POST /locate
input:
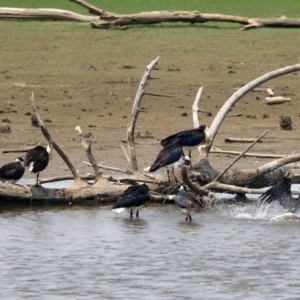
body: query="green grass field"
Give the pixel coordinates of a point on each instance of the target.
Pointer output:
(247, 8)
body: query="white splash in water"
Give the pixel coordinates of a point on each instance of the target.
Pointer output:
(253, 212)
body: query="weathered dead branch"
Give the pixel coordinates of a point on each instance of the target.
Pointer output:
(240, 140)
(134, 114)
(49, 138)
(241, 155)
(258, 155)
(109, 168)
(18, 150)
(106, 20)
(88, 149)
(276, 100)
(243, 91)
(44, 13)
(195, 108)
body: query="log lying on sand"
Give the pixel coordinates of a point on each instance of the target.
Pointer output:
(276, 100)
(240, 140)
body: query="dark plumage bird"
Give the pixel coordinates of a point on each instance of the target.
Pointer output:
(188, 202)
(132, 198)
(172, 155)
(189, 139)
(13, 171)
(37, 159)
(281, 191)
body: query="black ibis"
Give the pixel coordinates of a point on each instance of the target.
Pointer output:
(37, 159)
(13, 171)
(132, 198)
(172, 155)
(188, 202)
(189, 139)
(281, 191)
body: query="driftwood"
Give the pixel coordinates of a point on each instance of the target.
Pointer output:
(202, 178)
(258, 155)
(276, 100)
(240, 140)
(241, 155)
(44, 13)
(104, 19)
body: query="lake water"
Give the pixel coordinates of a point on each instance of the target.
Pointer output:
(87, 252)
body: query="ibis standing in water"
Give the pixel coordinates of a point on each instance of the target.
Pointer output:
(132, 199)
(172, 155)
(281, 191)
(37, 159)
(188, 202)
(13, 171)
(189, 139)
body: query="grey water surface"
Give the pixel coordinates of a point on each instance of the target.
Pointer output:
(87, 252)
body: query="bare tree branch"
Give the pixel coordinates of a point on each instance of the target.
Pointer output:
(241, 155)
(134, 114)
(243, 91)
(44, 13)
(109, 168)
(88, 149)
(219, 151)
(195, 108)
(49, 138)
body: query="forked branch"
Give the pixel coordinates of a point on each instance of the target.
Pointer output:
(88, 149)
(49, 138)
(134, 115)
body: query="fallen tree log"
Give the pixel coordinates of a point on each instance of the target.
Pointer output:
(104, 20)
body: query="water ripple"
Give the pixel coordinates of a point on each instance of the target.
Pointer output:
(90, 253)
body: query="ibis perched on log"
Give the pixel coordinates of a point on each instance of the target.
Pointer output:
(13, 171)
(188, 202)
(281, 191)
(132, 199)
(37, 159)
(172, 155)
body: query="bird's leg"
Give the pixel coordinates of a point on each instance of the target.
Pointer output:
(168, 172)
(137, 213)
(187, 217)
(131, 213)
(190, 217)
(190, 154)
(175, 179)
(37, 179)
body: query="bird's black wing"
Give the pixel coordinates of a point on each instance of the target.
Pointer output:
(167, 156)
(191, 137)
(134, 196)
(12, 171)
(39, 157)
(280, 191)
